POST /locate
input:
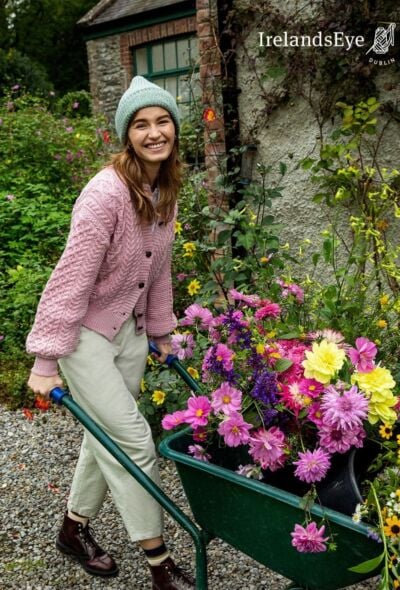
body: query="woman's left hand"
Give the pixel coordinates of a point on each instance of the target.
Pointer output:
(165, 350)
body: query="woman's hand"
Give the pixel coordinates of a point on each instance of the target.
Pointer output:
(43, 385)
(165, 350)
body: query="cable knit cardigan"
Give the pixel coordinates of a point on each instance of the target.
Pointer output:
(112, 266)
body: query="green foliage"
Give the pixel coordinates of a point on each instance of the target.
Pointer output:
(74, 104)
(45, 161)
(19, 71)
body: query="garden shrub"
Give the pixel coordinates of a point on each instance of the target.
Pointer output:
(20, 72)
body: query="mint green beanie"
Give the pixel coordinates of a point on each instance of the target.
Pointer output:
(140, 94)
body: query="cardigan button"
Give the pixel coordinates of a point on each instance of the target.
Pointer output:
(141, 285)
(139, 315)
(148, 254)
(140, 328)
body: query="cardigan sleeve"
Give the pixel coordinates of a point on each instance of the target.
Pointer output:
(65, 299)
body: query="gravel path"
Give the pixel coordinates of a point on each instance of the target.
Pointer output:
(37, 459)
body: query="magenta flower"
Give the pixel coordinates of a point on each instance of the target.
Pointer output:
(182, 345)
(198, 410)
(267, 447)
(337, 440)
(309, 539)
(268, 310)
(171, 421)
(346, 410)
(315, 414)
(181, 276)
(310, 387)
(221, 354)
(199, 453)
(226, 399)
(234, 430)
(363, 355)
(199, 434)
(196, 315)
(250, 300)
(291, 289)
(75, 105)
(312, 465)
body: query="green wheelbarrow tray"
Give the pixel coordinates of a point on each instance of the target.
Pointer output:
(257, 519)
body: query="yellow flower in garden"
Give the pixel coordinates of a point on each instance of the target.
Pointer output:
(150, 360)
(77, 135)
(385, 430)
(143, 385)
(323, 361)
(194, 287)
(381, 323)
(396, 584)
(264, 259)
(193, 372)
(260, 348)
(158, 397)
(384, 300)
(190, 249)
(392, 527)
(271, 334)
(398, 439)
(178, 227)
(376, 381)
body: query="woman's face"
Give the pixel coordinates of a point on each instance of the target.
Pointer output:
(152, 136)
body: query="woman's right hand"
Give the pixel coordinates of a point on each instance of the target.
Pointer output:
(43, 385)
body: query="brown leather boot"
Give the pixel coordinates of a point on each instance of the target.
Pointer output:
(169, 576)
(76, 541)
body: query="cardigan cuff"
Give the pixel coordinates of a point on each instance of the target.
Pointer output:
(166, 339)
(45, 367)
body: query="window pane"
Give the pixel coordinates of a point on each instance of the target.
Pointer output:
(183, 53)
(158, 59)
(170, 55)
(170, 85)
(159, 81)
(194, 50)
(141, 61)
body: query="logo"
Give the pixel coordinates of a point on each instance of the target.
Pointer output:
(384, 40)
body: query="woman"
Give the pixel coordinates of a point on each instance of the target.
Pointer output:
(110, 290)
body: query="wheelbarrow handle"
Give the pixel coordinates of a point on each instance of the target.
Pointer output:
(62, 397)
(174, 362)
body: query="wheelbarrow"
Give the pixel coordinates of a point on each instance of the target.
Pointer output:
(251, 516)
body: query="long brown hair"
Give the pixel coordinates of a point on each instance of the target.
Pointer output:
(131, 170)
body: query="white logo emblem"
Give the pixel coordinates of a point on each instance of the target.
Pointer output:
(384, 39)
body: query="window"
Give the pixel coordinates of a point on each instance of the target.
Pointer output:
(172, 65)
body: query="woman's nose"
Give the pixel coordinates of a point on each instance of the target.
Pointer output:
(154, 131)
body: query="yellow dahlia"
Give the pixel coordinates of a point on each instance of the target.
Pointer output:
(323, 361)
(379, 379)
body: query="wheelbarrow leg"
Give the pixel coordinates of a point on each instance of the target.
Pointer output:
(199, 537)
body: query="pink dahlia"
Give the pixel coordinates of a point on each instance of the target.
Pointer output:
(346, 410)
(226, 399)
(312, 465)
(267, 447)
(309, 539)
(199, 407)
(293, 398)
(182, 345)
(196, 315)
(315, 414)
(234, 430)
(337, 440)
(199, 453)
(171, 421)
(363, 355)
(250, 300)
(268, 310)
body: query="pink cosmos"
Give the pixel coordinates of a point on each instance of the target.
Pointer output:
(182, 345)
(312, 465)
(310, 387)
(268, 310)
(363, 355)
(315, 414)
(250, 300)
(291, 289)
(199, 453)
(226, 399)
(346, 410)
(336, 440)
(198, 410)
(199, 434)
(222, 354)
(171, 421)
(309, 539)
(196, 315)
(234, 430)
(267, 447)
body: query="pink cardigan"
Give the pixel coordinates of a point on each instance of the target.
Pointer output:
(111, 266)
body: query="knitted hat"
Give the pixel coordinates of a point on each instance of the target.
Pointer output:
(140, 94)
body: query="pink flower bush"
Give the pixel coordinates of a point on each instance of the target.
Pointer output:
(309, 539)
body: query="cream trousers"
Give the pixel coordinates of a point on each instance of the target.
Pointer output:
(104, 379)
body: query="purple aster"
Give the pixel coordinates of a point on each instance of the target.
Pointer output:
(346, 410)
(312, 465)
(182, 345)
(336, 440)
(267, 447)
(309, 539)
(196, 315)
(218, 360)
